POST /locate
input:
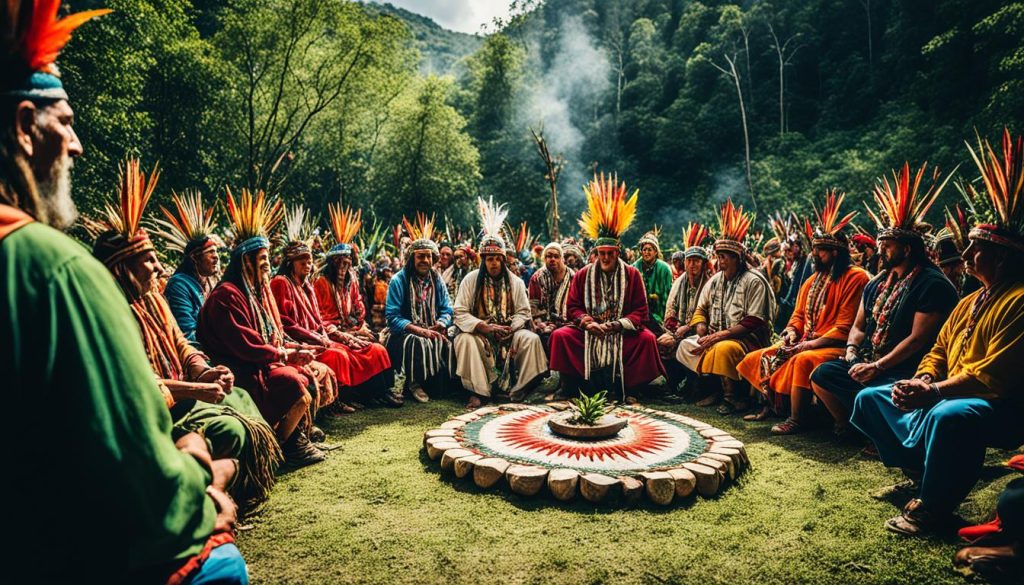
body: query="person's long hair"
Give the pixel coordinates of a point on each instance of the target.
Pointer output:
(17, 182)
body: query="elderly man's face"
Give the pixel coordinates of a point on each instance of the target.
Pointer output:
(983, 259)
(423, 260)
(49, 143)
(649, 253)
(302, 266)
(494, 263)
(553, 260)
(262, 264)
(728, 262)
(207, 261)
(607, 257)
(146, 269)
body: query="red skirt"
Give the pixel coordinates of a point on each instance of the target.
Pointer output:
(640, 360)
(354, 367)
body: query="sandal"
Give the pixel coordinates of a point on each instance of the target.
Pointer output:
(787, 427)
(915, 520)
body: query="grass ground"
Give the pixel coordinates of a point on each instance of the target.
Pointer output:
(378, 511)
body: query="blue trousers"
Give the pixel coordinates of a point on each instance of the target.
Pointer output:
(946, 442)
(224, 566)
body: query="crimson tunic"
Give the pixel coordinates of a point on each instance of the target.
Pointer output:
(640, 360)
(300, 316)
(229, 332)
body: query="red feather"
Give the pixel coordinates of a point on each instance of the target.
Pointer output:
(46, 35)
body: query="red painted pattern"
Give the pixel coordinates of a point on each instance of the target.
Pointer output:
(527, 432)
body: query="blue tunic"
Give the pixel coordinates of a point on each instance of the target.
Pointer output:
(184, 295)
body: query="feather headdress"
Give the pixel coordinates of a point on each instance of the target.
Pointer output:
(952, 239)
(33, 37)
(345, 225)
(1000, 209)
(829, 231)
(124, 237)
(609, 213)
(492, 218)
(189, 227)
(693, 238)
(422, 233)
(252, 217)
(733, 224)
(900, 207)
(297, 233)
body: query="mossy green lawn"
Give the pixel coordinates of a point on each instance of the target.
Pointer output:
(379, 511)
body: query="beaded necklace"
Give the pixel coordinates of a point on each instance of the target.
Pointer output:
(889, 300)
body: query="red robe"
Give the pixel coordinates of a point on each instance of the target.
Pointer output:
(640, 360)
(300, 316)
(229, 332)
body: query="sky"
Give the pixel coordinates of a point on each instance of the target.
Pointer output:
(459, 15)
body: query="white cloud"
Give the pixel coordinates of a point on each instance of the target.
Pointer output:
(459, 15)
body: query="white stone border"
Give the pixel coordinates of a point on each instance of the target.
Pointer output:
(721, 463)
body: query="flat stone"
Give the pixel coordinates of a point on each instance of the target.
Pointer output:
(485, 410)
(432, 433)
(632, 490)
(730, 465)
(720, 466)
(562, 483)
(558, 405)
(468, 417)
(438, 445)
(453, 424)
(597, 487)
(488, 472)
(449, 457)
(733, 445)
(464, 465)
(660, 487)
(685, 481)
(526, 480)
(708, 478)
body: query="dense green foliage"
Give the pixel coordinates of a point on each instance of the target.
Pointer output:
(325, 99)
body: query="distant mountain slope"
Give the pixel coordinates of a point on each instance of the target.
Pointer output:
(441, 48)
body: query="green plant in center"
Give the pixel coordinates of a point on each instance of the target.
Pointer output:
(589, 409)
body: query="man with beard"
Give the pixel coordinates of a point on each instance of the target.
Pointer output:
(682, 301)
(732, 316)
(462, 263)
(549, 293)
(419, 313)
(201, 397)
(867, 247)
(343, 343)
(607, 304)
(657, 278)
(966, 394)
(240, 326)
(189, 231)
(68, 337)
(901, 310)
(491, 315)
(820, 325)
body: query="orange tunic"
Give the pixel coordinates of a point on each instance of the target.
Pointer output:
(835, 317)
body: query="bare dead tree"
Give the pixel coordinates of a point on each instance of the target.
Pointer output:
(553, 166)
(785, 54)
(733, 74)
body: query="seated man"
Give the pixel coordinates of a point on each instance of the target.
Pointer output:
(575, 257)
(607, 305)
(820, 325)
(657, 279)
(549, 293)
(966, 394)
(682, 302)
(132, 507)
(201, 397)
(900, 311)
(733, 316)
(345, 344)
(419, 313)
(190, 232)
(491, 315)
(240, 327)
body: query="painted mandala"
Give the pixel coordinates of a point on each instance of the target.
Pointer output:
(658, 455)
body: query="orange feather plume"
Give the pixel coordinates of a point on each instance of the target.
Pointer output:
(733, 222)
(899, 204)
(42, 35)
(829, 218)
(252, 214)
(345, 223)
(695, 234)
(134, 191)
(1002, 203)
(423, 229)
(189, 220)
(608, 212)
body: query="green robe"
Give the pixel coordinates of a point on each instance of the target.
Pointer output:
(95, 485)
(658, 282)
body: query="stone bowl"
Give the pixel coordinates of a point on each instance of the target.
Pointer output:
(607, 426)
